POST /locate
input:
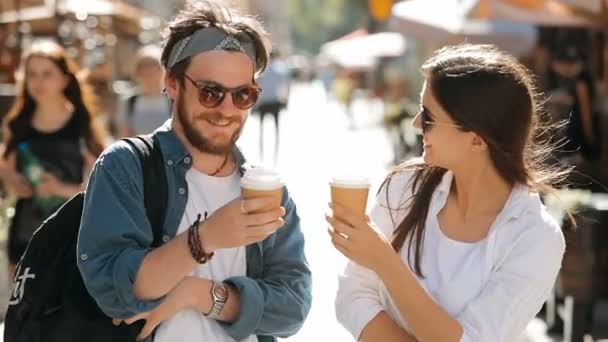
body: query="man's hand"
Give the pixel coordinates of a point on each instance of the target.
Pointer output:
(233, 226)
(183, 297)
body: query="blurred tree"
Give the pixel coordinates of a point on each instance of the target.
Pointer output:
(315, 22)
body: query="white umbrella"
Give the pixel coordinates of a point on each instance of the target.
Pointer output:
(364, 51)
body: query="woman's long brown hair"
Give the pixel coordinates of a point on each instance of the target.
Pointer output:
(18, 119)
(489, 92)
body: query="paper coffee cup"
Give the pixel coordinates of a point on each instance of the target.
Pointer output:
(262, 182)
(350, 192)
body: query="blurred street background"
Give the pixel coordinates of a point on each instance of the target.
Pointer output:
(353, 84)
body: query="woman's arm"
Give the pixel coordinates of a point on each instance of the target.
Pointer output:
(14, 182)
(514, 293)
(416, 306)
(383, 328)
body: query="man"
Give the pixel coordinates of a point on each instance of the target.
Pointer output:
(275, 82)
(146, 109)
(246, 277)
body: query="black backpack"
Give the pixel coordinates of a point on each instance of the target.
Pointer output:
(49, 301)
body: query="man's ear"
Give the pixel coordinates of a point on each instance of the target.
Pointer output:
(171, 87)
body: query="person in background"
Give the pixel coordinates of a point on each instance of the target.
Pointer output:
(574, 93)
(459, 246)
(51, 140)
(398, 114)
(148, 108)
(273, 99)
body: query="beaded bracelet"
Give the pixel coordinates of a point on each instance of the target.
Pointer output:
(194, 243)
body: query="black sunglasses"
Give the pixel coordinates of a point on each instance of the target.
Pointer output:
(426, 121)
(211, 94)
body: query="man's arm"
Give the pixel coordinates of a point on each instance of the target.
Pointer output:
(164, 267)
(115, 234)
(276, 303)
(119, 268)
(200, 293)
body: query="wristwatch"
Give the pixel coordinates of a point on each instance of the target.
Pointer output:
(219, 294)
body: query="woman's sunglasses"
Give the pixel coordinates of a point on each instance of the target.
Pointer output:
(211, 94)
(426, 121)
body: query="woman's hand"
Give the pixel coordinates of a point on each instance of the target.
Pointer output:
(49, 186)
(182, 297)
(359, 240)
(19, 185)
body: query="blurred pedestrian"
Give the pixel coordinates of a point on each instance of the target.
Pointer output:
(459, 246)
(574, 92)
(146, 109)
(51, 141)
(273, 99)
(398, 113)
(343, 89)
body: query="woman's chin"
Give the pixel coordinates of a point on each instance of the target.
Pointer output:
(430, 159)
(426, 156)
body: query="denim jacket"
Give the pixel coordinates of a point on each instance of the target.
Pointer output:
(115, 235)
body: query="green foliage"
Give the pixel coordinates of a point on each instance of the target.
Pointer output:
(314, 22)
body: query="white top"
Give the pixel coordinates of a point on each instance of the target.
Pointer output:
(493, 287)
(206, 195)
(149, 113)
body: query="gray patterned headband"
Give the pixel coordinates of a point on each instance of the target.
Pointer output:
(207, 39)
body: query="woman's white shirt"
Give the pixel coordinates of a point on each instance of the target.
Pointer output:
(493, 287)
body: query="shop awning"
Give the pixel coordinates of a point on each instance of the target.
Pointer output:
(565, 13)
(90, 7)
(457, 21)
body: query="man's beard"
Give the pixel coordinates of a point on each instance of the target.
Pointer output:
(196, 139)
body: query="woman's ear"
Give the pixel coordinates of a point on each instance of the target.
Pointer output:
(478, 144)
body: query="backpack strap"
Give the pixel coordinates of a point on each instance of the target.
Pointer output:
(155, 182)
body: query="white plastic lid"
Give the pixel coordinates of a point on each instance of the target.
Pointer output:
(350, 181)
(260, 178)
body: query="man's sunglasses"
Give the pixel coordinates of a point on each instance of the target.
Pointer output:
(426, 121)
(211, 94)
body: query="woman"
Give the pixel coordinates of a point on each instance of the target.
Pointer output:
(51, 140)
(473, 253)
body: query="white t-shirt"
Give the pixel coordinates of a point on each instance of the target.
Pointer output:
(493, 287)
(206, 195)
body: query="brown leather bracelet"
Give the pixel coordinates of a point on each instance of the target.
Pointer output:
(195, 246)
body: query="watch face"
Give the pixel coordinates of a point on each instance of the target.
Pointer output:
(221, 292)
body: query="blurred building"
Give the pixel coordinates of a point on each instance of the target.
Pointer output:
(102, 34)
(98, 34)
(272, 13)
(162, 8)
(274, 16)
